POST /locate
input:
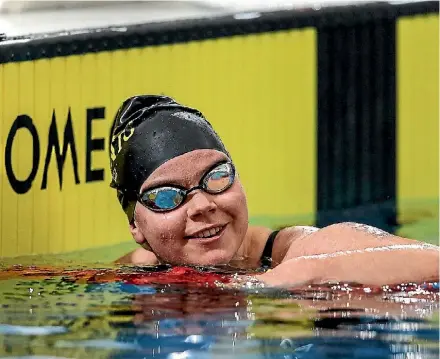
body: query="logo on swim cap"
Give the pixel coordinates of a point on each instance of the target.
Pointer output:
(114, 175)
(119, 139)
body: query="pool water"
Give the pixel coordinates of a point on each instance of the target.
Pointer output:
(134, 312)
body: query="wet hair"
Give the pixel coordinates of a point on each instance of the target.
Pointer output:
(148, 131)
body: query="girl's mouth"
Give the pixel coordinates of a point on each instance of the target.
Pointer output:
(209, 235)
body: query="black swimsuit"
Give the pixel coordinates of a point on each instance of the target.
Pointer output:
(266, 257)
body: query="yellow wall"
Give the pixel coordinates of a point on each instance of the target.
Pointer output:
(259, 91)
(418, 117)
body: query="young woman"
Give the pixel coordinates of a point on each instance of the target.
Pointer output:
(185, 205)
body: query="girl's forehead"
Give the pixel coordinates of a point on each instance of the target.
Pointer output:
(184, 169)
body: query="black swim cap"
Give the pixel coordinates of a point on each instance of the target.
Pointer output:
(148, 131)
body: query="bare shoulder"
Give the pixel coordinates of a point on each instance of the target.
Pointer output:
(357, 227)
(139, 256)
(354, 232)
(254, 242)
(257, 238)
(296, 232)
(286, 237)
(345, 236)
(370, 235)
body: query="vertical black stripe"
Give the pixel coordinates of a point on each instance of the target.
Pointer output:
(351, 186)
(389, 176)
(356, 124)
(323, 160)
(337, 121)
(367, 77)
(379, 120)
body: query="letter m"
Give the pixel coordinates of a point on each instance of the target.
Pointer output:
(53, 143)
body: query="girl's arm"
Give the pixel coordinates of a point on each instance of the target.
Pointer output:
(351, 252)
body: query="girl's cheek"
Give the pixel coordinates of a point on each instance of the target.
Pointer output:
(172, 224)
(235, 201)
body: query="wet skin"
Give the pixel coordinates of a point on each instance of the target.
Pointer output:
(300, 255)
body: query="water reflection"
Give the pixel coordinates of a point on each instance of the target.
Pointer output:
(181, 321)
(63, 317)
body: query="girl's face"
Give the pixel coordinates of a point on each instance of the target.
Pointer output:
(179, 236)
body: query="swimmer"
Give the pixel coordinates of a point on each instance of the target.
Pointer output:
(185, 205)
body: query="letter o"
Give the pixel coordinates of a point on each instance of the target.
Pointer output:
(21, 187)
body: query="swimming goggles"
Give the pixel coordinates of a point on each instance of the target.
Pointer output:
(166, 198)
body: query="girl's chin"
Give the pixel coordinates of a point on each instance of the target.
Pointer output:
(211, 258)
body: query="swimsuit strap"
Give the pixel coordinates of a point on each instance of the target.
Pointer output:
(266, 257)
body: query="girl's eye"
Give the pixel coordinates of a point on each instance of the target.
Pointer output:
(219, 178)
(163, 199)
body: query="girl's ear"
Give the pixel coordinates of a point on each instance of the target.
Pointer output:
(136, 233)
(138, 236)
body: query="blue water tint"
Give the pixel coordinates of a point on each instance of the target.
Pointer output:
(118, 287)
(60, 318)
(30, 330)
(167, 198)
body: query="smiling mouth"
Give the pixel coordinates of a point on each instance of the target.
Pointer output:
(209, 233)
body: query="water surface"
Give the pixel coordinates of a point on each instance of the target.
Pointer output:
(134, 312)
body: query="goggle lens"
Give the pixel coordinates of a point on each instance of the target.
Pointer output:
(163, 198)
(219, 179)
